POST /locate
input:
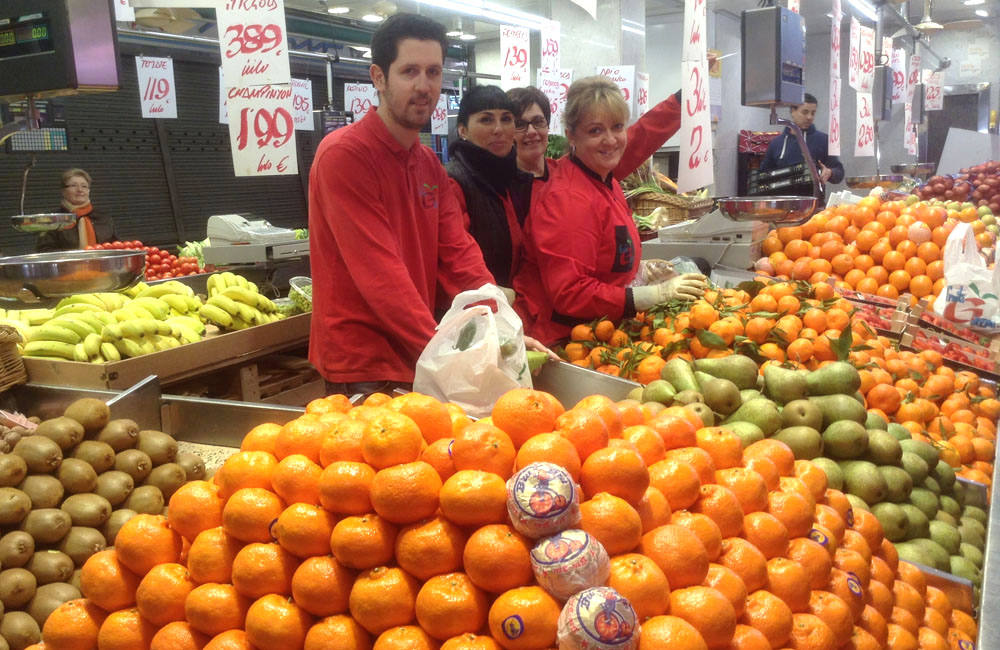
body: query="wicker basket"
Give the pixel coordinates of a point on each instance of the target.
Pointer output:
(678, 208)
(11, 365)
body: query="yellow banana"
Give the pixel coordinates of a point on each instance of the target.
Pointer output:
(228, 280)
(129, 348)
(176, 302)
(225, 303)
(79, 354)
(110, 352)
(112, 333)
(37, 316)
(56, 349)
(92, 344)
(154, 306)
(81, 329)
(54, 333)
(82, 299)
(241, 282)
(242, 294)
(216, 315)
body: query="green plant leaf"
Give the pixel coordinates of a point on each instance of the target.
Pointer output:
(712, 340)
(842, 346)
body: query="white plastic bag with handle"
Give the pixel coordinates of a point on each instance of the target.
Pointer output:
(970, 297)
(477, 354)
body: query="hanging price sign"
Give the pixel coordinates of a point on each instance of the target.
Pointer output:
(359, 99)
(834, 132)
(909, 132)
(302, 92)
(124, 11)
(694, 34)
(864, 140)
(912, 77)
(835, 46)
(156, 86)
(854, 58)
(262, 130)
(837, 13)
(439, 118)
(549, 46)
(642, 93)
(897, 62)
(514, 47)
(223, 99)
(253, 42)
(793, 5)
(866, 70)
(548, 83)
(933, 91)
(623, 76)
(696, 159)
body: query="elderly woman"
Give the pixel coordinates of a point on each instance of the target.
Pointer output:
(581, 244)
(91, 227)
(483, 167)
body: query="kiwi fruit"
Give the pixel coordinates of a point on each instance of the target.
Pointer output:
(87, 509)
(120, 434)
(114, 486)
(114, 523)
(92, 413)
(42, 455)
(193, 465)
(16, 548)
(43, 490)
(75, 580)
(81, 542)
(77, 476)
(17, 587)
(65, 432)
(14, 506)
(48, 598)
(47, 526)
(168, 478)
(146, 499)
(134, 463)
(160, 447)
(13, 469)
(50, 566)
(100, 455)
(20, 630)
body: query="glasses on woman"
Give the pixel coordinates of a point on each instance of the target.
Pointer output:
(540, 124)
(77, 186)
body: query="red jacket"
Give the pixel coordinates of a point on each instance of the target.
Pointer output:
(581, 250)
(384, 230)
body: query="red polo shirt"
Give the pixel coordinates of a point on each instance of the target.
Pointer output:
(385, 230)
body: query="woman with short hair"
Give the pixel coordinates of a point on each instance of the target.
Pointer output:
(91, 227)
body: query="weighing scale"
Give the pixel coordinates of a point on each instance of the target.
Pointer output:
(714, 238)
(234, 239)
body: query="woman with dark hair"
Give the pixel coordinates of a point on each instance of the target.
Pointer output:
(491, 190)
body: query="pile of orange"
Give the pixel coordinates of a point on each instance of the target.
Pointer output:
(783, 322)
(883, 248)
(952, 410)
(384, 526)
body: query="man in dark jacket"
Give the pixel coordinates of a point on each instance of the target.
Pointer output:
(784, 150)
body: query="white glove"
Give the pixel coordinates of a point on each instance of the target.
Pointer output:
(689, 286)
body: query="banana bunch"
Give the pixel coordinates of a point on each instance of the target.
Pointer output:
(235, 304)
(64, 336)
(132, 337)
(92, 302)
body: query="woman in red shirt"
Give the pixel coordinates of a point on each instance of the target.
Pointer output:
(581, 244)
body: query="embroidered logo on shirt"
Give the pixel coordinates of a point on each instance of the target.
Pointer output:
(428, 196)
(624, 250)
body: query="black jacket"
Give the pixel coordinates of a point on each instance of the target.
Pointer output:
(784, 152)
(487, 181)
(65, 240)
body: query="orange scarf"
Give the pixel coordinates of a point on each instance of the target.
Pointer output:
(85, 228)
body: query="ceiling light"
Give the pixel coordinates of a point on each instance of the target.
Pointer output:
(372, 18)
(973, 3)
(982, 13)
(467, 37)
(831, 15)
(344, 10)
(454, 33)
(485, 9)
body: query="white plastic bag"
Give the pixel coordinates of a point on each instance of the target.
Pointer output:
(970, 296)
(476, 355)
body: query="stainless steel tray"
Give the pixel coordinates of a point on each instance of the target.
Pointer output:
(885, 181)
(917, 170)
(769, 209)
(43, 222)
(31, 278)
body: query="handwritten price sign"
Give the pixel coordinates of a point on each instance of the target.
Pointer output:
(262, 130)
(124, 11)
(624, 77)
(834, 131)
(514, 47)
(549, 44)
(439, 118)
(642, 93)
(359, 99)
(302, 115)
(854, 59)
(933, 92)
(897, 62)
(864, 140)
(835, 46)
(912, 77)
(253, 42)
(909, 132)
(694, 34)
(696, 159)
(156, 86)
(866, 70)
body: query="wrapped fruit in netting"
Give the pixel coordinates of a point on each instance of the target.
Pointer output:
(570, 562)
(542, 500)
(598, 619)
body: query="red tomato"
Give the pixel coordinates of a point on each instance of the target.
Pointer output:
(153, 258)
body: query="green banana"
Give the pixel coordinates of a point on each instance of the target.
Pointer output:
(154, 306)
(54, 333)
(49, 349)
(215, 314)
(110, 352)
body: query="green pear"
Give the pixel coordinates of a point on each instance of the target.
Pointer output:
(845, 439)
(801, 413)
(914, 466)
(972, 554)
(963, 568)
(805, 442)
(686, 397)
(863, 480)
(784, 385)
(930, 483)
(680, 374)
(974, 524)
(919, 523)
(875, 421)
(740, 370)
(976, 513)
(837, 378)
(858, 502)
(941, 515)
(702, 411)
(893, 519)
(748, 432)
(659, 390)
(748, 394)
(949, 505)
(839, 407)
(933, 555)
(945, 476)
(721, 395)
(898, 482)
(898, 431)
(834, 475)
(947, 536)
(971, 535)
(926, 500)
(654, 407)
(922, 449)
(761, 412)
(636, 394)
(702, 377)
(883, 448)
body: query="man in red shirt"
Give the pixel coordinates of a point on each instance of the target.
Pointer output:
(385, 229)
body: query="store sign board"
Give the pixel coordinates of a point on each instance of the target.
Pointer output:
(622, 76)
(854, 60)
(515, 44)
(866, 71)
(912, 77)
(549, 45)
(897, 62)
(864, 140)
(835, 46)
(695, 30)
(124, 11)
(696, 159)
(254, 43)
(833, 143)
(157, 93)
(933, 91)
(642, 93)
(359, 99)
(302, 92)
(439, 118)
(262, 130)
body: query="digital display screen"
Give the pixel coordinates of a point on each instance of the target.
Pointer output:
(25, 35)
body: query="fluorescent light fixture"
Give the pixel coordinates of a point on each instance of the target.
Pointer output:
(372, 18)
(467, 37)
(633, 30)
(496, 13)
(982, 13)
(973, 3)
(454, 34)
(830, 15)
(345, 10)
(865, 8)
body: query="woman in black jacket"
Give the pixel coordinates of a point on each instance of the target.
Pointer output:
(91, 227)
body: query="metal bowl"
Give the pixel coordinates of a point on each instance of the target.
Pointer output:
(886, 181)
(769, 209)
(30, 278)
(43, 222)
(917, 170)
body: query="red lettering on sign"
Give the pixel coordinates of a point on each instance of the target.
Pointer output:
(275, 129)
(301, 103)
(248, 39)
(699, 94)
(248, 5)
(517, 57)
(157, 89)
